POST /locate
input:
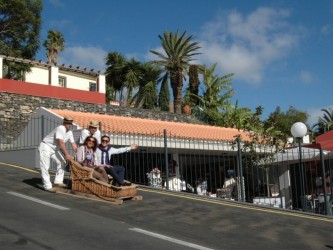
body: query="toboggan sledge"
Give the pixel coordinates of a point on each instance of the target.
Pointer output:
(84, 184)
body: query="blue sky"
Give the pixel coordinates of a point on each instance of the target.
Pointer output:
(280, 51)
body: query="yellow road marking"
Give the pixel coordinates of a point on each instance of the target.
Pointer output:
(20, 167)
(217, 202)
(243, 206)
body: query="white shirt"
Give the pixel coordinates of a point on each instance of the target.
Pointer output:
(112, 151)
(85, 133)
(58, 133)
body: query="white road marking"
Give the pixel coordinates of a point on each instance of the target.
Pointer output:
(38, 201)
(163, 237)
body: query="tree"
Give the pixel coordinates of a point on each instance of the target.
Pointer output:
(262, 148)
(164, 95)
(194, 82)
(269, 137)
(20, 23)
(54, 44)
(325, 123)
(115, 76)
(264, 144)
(122, 75)
(125, 77)
(215, 98)
(178, 53)
(283, 121)
(146, 96)
(133, 72)
(235, 117)
(254, 121)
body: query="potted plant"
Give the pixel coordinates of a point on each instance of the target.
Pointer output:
(186, 107)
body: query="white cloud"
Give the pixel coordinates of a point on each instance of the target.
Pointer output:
(315, 114)
(90, 57)
(151, 57)
(235, 59)
(306, 76)
(247, 44)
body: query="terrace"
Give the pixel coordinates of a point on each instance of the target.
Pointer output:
(207, 161)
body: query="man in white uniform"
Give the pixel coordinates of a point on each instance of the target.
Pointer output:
(92, 130)
(53, 147)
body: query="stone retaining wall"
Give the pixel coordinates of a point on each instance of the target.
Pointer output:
(16, 109)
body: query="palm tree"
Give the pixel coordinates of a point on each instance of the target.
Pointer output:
(213, 101)
(122, 75)
(179, 52)
(325, 123)
(235, 117)
(214, 84)
(133, 72)
(115, 76)
(54, 44)
(146, 96)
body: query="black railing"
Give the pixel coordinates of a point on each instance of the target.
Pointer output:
(211, 168)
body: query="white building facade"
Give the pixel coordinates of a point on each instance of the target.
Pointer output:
(59, 75)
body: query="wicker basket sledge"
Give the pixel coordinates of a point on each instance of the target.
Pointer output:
(84, 182)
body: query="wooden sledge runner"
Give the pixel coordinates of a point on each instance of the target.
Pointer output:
(84, 184)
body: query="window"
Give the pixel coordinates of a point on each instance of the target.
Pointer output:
(92, 86)
(62, 81)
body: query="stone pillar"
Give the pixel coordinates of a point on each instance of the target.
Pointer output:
(1, 66)
(101, 83)
(54, 76)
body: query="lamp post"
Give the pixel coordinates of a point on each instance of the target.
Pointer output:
(299, 130)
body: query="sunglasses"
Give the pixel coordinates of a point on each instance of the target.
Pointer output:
(105, 140)
(91, 140)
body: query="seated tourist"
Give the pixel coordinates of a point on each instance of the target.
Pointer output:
(86, 156)
(104, 152)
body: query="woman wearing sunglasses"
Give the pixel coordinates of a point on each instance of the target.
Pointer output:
(86, 156)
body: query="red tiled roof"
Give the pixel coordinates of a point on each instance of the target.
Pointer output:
(118, 124)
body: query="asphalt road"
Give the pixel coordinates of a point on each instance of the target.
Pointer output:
(31, 218)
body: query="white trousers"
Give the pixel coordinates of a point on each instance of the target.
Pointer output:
(46, 153)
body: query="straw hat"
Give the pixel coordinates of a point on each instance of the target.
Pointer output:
(68, 119)
(93, 124)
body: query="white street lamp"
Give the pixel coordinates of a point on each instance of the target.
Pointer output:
(299, 130)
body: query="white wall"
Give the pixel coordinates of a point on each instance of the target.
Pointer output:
(41, 75)
(101, 83)
(76, 81)
(38, 75)
(47, 74)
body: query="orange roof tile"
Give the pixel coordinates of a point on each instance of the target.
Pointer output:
(119, 124)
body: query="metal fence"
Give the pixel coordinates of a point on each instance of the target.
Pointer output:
(224, 170)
